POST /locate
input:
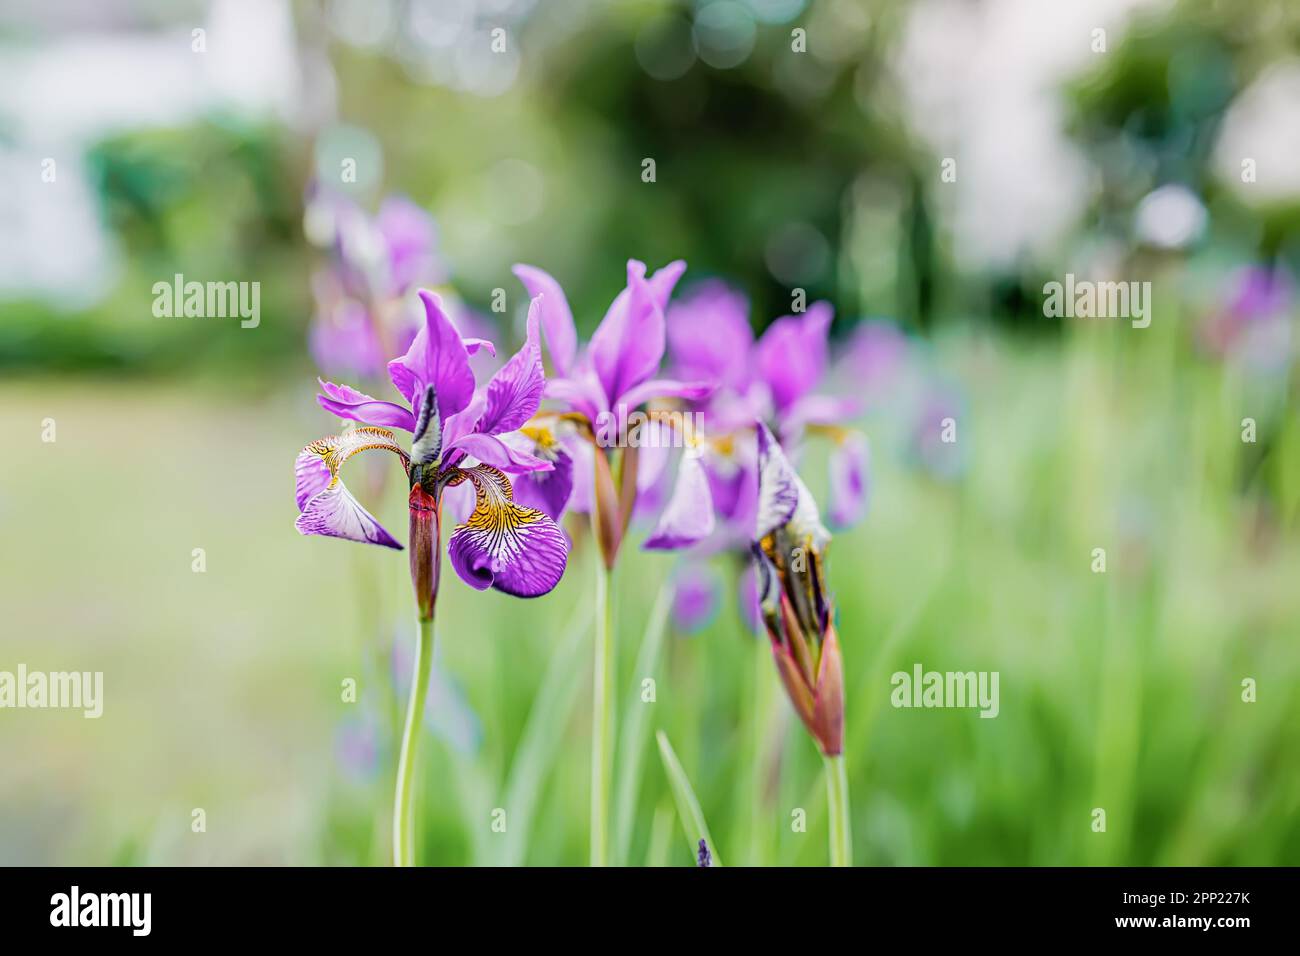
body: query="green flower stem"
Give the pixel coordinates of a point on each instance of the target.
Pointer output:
(837, 802)
(404, 800)
(601, 719)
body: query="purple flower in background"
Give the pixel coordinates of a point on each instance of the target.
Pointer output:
(932, 442)
(1254, 323)
(365, 310)
(695, 596)
(780, 379)
(618, 452)
(873, 361)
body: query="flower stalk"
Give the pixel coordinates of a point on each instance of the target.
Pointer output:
(837, 805)
(426, 527)
(404, 798)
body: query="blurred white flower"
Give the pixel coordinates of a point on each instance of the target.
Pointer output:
(1263, 126)
(1170, 217)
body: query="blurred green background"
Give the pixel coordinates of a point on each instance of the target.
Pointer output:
(1118, 154)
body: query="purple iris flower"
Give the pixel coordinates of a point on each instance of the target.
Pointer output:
(618, 453)
(460, 435)
(780, 379)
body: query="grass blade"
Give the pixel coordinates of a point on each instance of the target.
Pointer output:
(688, 805)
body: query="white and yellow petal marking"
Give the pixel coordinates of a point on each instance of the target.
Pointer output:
(327, 506)
(517, 550)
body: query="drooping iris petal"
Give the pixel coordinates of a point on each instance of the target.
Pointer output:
(556, 316)
(792, 354)
(327, 506)
(688, 517)
(583, 455)
(849, 463)
(654, 440)
(347, 402)
(517, 550)
(733, 482)
(491, 450)
(515, 391)
(629, 343)
(437, 357)
(709, 336)
(311, 475)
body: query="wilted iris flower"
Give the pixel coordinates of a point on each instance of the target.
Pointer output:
(790, 552)
(615, 449)
(459, 435)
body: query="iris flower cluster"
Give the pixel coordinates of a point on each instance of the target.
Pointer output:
(706, 451)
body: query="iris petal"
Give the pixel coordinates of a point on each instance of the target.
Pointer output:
(437, 357)
(792, 354)
(327, 506)
(519, 551)
(783, 498)
(688, 517)
(556, 316)
(515, 391)
(629, 343)
(346, 402)
(491, 450)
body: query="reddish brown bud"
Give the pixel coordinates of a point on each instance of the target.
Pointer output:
(426, 532)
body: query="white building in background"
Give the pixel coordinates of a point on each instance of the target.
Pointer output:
(62, 93)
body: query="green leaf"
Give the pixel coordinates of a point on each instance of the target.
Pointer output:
(688, 805)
